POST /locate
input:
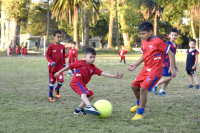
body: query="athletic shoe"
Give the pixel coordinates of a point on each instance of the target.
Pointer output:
(57, 94)
(197, 86)
(92, 110)
(190, 86)
(79, 112)
(134, 108)
(51, 99)
(162, 93)
(155, 90)
(137, 117)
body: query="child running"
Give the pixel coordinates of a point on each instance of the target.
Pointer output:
(122, 54)
(153, 50)
(85, 69)
(56, 61)
(191, 64)
(166, 64)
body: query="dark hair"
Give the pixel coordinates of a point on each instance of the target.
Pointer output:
(73, 42)
(193, 40)
(145, 26)
(90, 51)
(173, 30)
(56, 32)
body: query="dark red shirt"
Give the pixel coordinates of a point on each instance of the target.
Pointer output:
(73, 55)
(122, 52)
(17, 50)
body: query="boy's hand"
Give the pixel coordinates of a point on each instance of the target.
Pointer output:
(172, 70)
(118, 76)
(132, 67)
(56, 74)
(176, 68)
(193, 67)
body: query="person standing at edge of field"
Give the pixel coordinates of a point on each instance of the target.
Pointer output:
(10, 51)
(56, 61)
(85, 69)
(122, 54)
(166, 64)
(17, 50)
(191, 63)
(25, 51)
(73, 56)
(153, 50)
(22, 51)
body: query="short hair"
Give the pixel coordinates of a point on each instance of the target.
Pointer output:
(73, 42)
(145, 26)
(56, 32)
(90, 51)
(173, 30)
(193, 40)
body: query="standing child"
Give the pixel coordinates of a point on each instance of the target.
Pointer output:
(166, 64)
(85, 69)
(17, 50)
(122, 54)
(10, 51)
(56, 60)
(153, 50)
(25, 52)
(22, 51)
(73, 56)
(191, 63)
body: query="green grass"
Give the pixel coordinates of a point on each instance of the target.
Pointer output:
(24, 105)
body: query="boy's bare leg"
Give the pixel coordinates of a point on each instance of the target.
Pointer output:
(191, 79)
(164, 80)
(136, 91)
(83, 104)
(143, 97)
(195, 78)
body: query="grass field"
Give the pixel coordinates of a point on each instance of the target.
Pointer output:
(24, 105)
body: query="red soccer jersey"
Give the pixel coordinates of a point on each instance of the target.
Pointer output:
(83, 72)
(56, 53)
(122, 52)
(17, 50)
(10, 50)
(73, 55)
(25, 51)
(22, 50)
(153, 54)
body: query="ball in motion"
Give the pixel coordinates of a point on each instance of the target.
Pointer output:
(104, 107)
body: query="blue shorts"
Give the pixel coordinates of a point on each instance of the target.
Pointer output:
(165, 72)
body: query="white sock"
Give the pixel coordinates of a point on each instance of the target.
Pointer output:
(161, 90)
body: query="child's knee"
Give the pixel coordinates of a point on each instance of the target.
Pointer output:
(92, 96)
(135, 88)
(143, 90)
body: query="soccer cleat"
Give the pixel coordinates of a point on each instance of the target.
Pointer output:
(190, 86)
(197, 86)
(162, 93)
(51, 99)
(137, 117)
(92, 110)
(134, 108)
(79, 112)
(155, 90)
(57, 94)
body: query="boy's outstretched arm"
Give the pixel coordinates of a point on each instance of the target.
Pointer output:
(133, 66)
(118, 76)
(172, 62)
(62, 70)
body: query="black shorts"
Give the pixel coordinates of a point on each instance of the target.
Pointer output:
(190, 72)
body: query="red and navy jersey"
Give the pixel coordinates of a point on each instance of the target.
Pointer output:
(166, 56)
(83, 72)
(72, 54)
(56, 53)
(17, 50)
(153, 54)
(191, 58)
(122, 52)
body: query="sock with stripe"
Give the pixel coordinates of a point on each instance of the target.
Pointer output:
(140, 111)
(51, 86)
(59, 85)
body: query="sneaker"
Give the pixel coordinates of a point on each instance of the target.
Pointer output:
(51, 99)
(155, 90)
(197, 86)
(137, 117)
(134, 108)
(79, 112)
(162, 93)
(57, 94)
(190, 86)
(92, 110)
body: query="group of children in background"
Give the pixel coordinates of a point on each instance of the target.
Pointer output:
(158, 58)
(23, 51)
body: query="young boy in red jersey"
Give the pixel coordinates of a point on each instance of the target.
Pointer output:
(17, 50)
(122, 54)
(191, 64)
(73, 56)
(85, 69)
(10, 51)
(22, 50)
(25, 51)
(153, 50)
(56, 60)
(166, 64)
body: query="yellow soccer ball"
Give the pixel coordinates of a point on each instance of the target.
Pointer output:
(104, 107)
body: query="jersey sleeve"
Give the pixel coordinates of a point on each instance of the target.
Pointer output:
(48, 55)
(119, 52)
(126, 52)
(67, 54)
(163, 47)
(197, 52)
(97, 71)
(76, 55)
(74, 65)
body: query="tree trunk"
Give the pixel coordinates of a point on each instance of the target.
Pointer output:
(100, 46)
(76, 25)
(70, 14)
(13, 34)
(110, 37)
(193, 30)
(126, 41)
(156, 28)
(86, 42)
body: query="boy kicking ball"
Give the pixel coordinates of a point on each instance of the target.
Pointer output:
(85, 69)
